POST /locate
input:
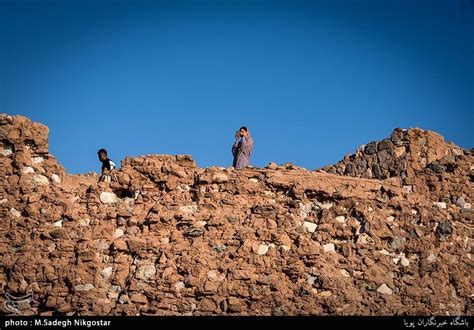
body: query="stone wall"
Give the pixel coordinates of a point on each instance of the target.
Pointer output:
(169, 238)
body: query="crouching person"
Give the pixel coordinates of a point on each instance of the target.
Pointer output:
(108, 167)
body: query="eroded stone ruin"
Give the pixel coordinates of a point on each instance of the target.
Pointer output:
(388, 230)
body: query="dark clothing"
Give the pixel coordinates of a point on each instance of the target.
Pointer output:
(107, 165)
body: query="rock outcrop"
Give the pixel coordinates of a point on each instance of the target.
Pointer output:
(387, 231)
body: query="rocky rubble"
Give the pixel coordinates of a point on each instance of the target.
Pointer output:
(387, 231)
(418, 160)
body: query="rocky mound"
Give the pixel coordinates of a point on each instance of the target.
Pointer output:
(419, 160)
(388, 232)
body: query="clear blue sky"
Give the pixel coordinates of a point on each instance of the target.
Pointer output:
(312, 80)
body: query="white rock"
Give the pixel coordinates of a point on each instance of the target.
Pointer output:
(310, 226)
(107, 272)
(15, 213)
(3, 201)
(341, 219)
(285, 248)
(460, 202)
(192, 308)
(384, 252)
(145, 272)
(414, 212)
(215, 276)
(305, 209)
(51, 247)
(201, 223)
(118, 233)
(458, 152)
(84, 222)
(112, 295)
(27, 169)
(103, 245)
(441, 205)
(184, 187)
(345, 273)
(363, 238)
(214, 187)
(37, 160)
(220, 177)
(262, 249)
(328, 248)
(212, 275)
(58, 223)
(311, 279)
(253, 180)
(56, 178)
(84, 287)
(123, 299)
(7, 151)
(390, 218)
(188, 209)
(432, 258)
(384, 289)
(405, 262)
(325, 294)
(308, 207)
(327, 206)
(396, 260)
(400, 151)
(107, 197)
(467, 206)
(40, 180)
(179, 285)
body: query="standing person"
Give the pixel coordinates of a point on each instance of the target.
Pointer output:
(242, 148)
(107, 166)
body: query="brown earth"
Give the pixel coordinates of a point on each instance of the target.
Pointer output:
(388, 230)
